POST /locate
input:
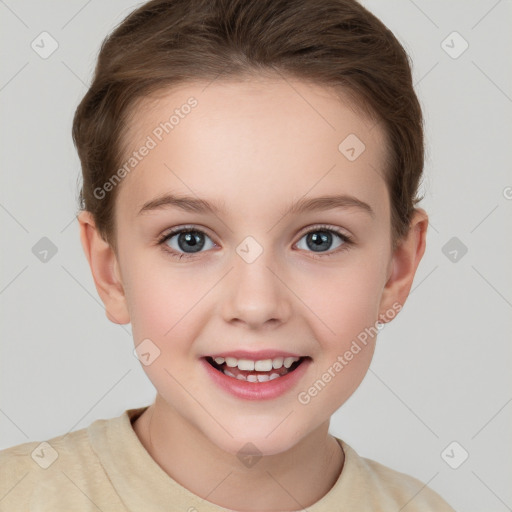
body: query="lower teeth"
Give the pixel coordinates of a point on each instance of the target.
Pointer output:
(252, 377)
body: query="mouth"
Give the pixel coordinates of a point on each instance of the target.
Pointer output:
(256, 371)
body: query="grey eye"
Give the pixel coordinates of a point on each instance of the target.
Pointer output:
(190, 241)
(320, 240)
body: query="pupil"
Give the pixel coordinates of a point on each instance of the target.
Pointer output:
(320, 240)
(194, 240)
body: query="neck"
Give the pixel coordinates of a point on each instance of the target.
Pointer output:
(288, 481)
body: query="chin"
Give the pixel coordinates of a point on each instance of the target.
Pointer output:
(261, 437)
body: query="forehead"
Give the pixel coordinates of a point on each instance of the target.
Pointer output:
(251, 142)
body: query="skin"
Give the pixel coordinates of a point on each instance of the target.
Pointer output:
(255, 146)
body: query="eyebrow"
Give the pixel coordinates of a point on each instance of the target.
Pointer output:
(196, 205)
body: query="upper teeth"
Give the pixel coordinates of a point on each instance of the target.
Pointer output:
(262, 365)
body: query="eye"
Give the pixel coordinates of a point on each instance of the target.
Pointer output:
(321, 239)
(186, 241)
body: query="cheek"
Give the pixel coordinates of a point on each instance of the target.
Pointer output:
(343, 299)
(163, 309)
(345, 305)
(164, 303)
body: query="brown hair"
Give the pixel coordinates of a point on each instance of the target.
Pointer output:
(336, 43)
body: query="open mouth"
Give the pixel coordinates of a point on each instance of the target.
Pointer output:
(278, 369)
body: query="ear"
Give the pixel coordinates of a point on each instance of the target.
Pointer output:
(105, 270)
(402, 269)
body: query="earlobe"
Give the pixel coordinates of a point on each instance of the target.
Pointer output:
(105, 270)
(404, 263)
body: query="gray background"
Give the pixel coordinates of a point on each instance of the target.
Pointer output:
(441, 371)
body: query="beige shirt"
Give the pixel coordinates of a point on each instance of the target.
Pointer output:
(105, 467)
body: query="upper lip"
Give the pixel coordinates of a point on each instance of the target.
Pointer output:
(254, 356)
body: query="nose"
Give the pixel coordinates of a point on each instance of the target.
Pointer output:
(256, 294)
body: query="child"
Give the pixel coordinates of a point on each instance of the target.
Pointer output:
(250, 171)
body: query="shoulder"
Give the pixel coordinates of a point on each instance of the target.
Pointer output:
(45, 454)
(389, 489)
(50, 475)
(15, 467)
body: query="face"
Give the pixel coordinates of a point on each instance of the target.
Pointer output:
(268, 266)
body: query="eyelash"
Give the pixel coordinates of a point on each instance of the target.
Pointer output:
(347, 241)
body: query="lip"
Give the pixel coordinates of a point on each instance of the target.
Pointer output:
(256, 390)
(254, 356)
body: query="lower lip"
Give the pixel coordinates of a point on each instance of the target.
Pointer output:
(257, 390)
